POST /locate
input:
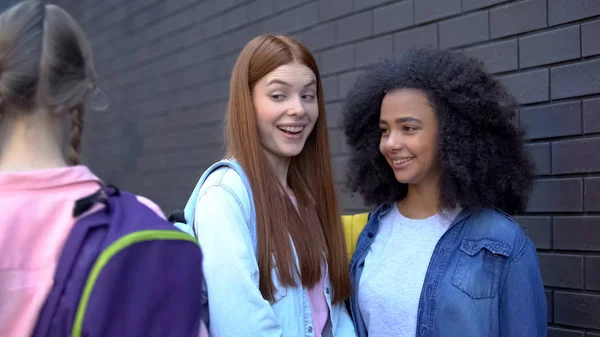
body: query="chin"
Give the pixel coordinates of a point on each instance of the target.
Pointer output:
(404, 179)
(291, 153)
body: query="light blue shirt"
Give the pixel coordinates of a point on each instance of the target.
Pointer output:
(225, 225)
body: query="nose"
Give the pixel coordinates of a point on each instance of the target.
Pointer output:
(393, 142)
(296, 107)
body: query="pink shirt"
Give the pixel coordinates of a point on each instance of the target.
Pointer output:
(35, 220)
(318, 306)
(316, 297)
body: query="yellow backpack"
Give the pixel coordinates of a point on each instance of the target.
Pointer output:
(353, 226)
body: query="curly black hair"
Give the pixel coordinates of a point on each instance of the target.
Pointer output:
(481, 147)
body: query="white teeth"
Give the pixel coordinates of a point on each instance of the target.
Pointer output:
(293, 129)
(402, 161)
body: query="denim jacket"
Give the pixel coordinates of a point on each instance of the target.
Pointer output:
(483, 280)
(226, 225)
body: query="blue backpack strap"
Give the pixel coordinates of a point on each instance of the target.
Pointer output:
(189, 212)
(185, 220)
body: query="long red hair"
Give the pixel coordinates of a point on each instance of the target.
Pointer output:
(315, 229)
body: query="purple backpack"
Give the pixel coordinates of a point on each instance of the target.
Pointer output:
(124, 271)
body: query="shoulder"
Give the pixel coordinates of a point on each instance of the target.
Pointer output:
(495, 222)
(226, 177)
(496, 226)
(226, 185)
(150, 204)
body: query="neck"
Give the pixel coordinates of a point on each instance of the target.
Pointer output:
(30, 141)
(280, 166)
(421, 201)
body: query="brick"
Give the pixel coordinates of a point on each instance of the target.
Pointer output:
(553, 120)
(364, 4)
(575, 79)
(464, 30)
(549, 47)
(331, 9)
(592, 194)
(192, 137)
(290, 21)
(334, 115)
(591, 116)
(320, 36)
(338, 165)
(577, 233)
(236, 18)
(592, 272)
(337, 143)
(260, 9)
(550, 304)
(561, 270)
(331, 88)
(306, 16)
(214, 26)
(527, 87)
(560, 332)
(497, 57)
(429, 10)
(540, 152)
(348, 80)
(576, 156)
(281, 5)
(371, 50)
(354, 27)
(393, 17)
(517, 18)
(468, 5)
(352, 203)
(581, 310)
(538, 229)
(561, 11)
(589, 38)
(226, 4)
(175, 160)
(556, 195)
(187, 179)
(179, 118)
(425, 36)
(338, 59)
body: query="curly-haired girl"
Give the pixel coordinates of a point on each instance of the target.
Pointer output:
(435, 145)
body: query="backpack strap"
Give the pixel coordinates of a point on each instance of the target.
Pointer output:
(353, 226)
(185, 220)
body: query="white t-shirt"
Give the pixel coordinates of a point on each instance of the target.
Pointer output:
(395, 267)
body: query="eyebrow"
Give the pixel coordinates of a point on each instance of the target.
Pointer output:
(402, 120)
(277, 81)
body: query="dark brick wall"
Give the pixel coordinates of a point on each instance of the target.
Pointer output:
(165, 65)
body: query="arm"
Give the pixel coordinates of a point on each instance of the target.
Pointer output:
(236, 306)
(523, 310)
